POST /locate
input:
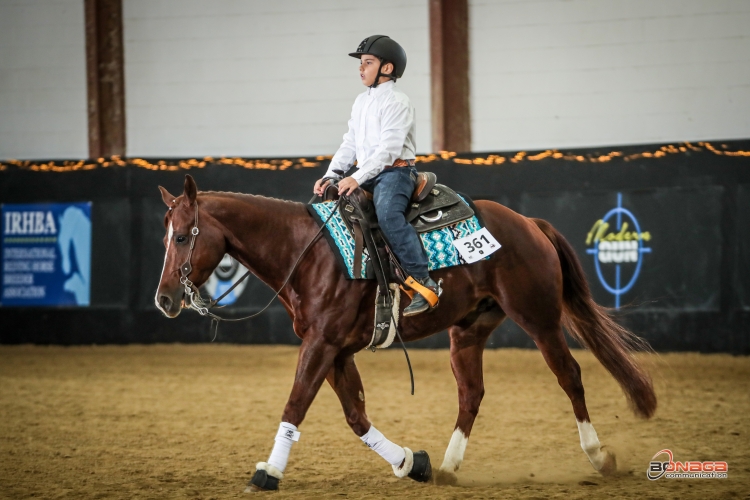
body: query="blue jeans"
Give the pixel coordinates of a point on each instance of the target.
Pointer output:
(391, 193)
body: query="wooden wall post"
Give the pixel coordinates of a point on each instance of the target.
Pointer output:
(105, 78)
(449, 62)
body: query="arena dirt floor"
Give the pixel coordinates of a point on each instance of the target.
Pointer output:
(178, 421)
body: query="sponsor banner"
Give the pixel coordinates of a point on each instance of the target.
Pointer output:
(222, 279)
(666, 467)
(617, 244)
(655, 249)
(46, 254)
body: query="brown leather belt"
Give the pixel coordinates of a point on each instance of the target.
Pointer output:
(402, 163)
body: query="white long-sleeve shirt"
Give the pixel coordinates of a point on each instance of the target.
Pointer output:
(382, 129)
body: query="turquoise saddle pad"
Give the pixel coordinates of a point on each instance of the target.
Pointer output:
(438, 244)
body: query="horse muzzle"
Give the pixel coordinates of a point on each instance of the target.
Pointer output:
(170, 306)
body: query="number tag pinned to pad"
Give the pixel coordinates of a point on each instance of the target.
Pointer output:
(477, 245)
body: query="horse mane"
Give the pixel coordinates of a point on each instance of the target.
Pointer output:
(254, 198)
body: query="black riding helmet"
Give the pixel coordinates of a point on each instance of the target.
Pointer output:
(385, 49)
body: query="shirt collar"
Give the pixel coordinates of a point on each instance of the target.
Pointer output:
(381, 88)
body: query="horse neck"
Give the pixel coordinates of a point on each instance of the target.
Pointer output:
(265, 235)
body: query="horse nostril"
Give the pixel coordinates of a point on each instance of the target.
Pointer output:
(165, 302)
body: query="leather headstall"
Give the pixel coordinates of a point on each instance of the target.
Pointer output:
(186, 268)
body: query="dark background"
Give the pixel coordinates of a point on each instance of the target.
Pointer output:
(693, 292)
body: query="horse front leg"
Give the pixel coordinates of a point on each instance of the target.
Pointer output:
(315, 360)
(346, 382)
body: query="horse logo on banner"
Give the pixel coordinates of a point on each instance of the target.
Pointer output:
(619, 251)
(225, 274)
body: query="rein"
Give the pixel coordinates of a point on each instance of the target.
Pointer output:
(198, 303)
(203, 307)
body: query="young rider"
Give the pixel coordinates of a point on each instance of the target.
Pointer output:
(381, 137)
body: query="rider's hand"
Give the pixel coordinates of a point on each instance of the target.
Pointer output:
(320, 186)
(347, 185)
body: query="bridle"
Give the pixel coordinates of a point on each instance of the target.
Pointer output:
(191, 290)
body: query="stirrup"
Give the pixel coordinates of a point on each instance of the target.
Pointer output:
(421, 296)
(431, 297)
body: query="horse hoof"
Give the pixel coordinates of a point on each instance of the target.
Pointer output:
(610, 464)
(421, 471)
(262, 481)
(445, 478)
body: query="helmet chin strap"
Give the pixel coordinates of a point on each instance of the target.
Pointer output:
(377, 78)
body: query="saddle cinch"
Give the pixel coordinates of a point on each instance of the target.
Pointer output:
(433, 206)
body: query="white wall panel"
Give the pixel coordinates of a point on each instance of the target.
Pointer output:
(567, 73)
(258, 78)
(42, 79)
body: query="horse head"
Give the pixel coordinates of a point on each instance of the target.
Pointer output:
(209, 245)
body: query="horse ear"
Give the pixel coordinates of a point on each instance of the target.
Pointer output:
(166, 197)
(191, 190)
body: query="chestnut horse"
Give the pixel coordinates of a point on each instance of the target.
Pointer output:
(535, 279)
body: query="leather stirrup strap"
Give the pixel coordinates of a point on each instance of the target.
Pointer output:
(430, 296)
(408, 291)
(358, 245)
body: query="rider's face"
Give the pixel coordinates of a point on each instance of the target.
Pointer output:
(368, 69)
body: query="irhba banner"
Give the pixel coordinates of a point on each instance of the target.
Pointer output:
(46, 254)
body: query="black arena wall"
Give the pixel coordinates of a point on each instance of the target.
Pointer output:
(691, 260)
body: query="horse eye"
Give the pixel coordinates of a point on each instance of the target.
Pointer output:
(181, 239)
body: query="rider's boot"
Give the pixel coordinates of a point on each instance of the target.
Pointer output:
(418, 303)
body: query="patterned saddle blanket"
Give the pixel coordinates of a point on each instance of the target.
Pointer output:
(437, 243)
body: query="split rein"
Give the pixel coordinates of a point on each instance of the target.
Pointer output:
(197, 302)
(203, 307)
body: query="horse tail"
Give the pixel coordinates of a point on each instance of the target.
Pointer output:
(592, 326)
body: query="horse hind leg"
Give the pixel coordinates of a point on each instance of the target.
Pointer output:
(552, 344)
(468, 338)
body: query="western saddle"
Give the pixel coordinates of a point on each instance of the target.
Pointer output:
(433, 206)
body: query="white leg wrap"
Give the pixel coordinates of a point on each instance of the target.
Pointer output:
(590, 444)
(454, 455)
(391, 452)
(285, 438)
(402, 472)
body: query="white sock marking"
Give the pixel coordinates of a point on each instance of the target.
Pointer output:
(170, 233)
(590, 444)
(454, 455)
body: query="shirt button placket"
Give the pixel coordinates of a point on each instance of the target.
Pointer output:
(363, 121)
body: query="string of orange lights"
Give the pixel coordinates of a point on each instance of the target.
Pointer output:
(288, 163)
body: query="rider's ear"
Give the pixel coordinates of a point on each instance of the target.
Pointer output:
(166, 197)
(191, 190)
